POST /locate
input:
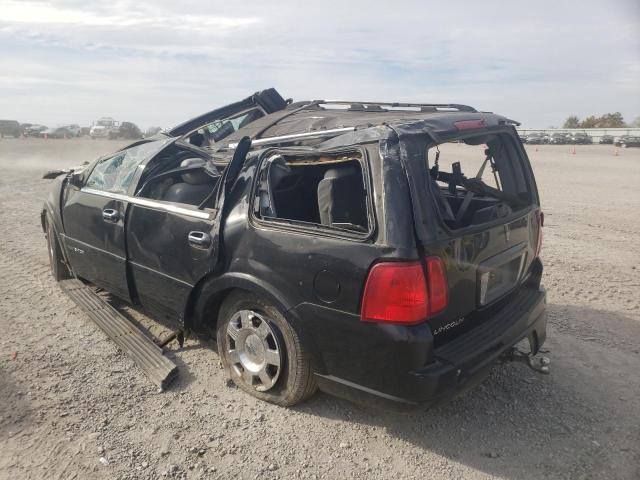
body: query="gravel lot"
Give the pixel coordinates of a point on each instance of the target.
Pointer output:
(72, 406)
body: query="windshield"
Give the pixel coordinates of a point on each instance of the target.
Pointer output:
(115, 173)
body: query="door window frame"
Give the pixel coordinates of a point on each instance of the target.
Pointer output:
(309, 228)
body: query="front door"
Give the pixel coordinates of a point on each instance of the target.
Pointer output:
(94, 239)
(95, 215)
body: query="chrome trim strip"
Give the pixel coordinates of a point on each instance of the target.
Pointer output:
(158, 272)
(66, 239)
(298, 136)
(145, 202)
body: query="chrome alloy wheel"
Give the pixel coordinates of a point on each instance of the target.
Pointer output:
(253, 350)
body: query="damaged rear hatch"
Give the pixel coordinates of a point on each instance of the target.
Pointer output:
(476, 206)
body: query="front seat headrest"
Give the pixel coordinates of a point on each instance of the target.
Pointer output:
(197, 177)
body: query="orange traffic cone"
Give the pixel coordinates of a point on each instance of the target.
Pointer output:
(46, 136)
(573, 152)
(616, 152)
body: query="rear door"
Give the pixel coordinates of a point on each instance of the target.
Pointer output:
(171, 246)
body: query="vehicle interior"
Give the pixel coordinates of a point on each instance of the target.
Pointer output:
(322, 190)
(179, 175)
(477, 180)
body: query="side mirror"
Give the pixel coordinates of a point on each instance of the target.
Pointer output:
(76, 179)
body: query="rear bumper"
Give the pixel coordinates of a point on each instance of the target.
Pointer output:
(458, 365)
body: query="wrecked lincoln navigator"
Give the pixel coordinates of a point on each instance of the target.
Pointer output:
(384, 252)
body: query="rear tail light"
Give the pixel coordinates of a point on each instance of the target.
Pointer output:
(540, 218)
(405, 293)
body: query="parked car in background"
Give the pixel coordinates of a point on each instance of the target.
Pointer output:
(126, 130)
(606, 140)
(580, 138)
(84, 131)
(35, 130)
(58, 132)
(151, 131)
(620, 140)
(523, 137)
(559, 139)
(274, 242)
(10, 128)
(103, 127)
(628, 141)
(23, 127)
(73, 128)
(535, 139)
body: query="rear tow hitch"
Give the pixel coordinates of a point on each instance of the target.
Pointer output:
(538, 364)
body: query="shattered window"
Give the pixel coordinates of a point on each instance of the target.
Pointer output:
(114, 174)
(326, 191)
(217, 130)
(477, 180)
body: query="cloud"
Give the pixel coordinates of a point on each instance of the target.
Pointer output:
(160, 62)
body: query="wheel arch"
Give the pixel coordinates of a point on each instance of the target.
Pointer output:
(203, 306)
(201, 311)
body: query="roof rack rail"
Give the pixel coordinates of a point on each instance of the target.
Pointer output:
(378, 106)
(298, 136)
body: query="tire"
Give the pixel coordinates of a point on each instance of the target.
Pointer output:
(59, 269)
(291, 382)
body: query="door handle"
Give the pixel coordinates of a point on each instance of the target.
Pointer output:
(199, 239)
(110, 215)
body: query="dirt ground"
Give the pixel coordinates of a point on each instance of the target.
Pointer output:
(68, 398)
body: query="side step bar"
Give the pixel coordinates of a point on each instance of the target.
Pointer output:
(146, 354)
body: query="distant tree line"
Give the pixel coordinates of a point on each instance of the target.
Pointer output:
(608, 120)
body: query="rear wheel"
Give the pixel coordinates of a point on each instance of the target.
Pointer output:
(261, 352)
(59, 269)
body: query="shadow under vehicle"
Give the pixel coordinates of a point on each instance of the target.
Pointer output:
(323, 244)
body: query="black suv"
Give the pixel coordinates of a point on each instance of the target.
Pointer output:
(336, 245)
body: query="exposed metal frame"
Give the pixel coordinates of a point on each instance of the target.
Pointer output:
(154, 204)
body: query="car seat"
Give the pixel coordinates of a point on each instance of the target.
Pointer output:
(193, 188)
(342, 198)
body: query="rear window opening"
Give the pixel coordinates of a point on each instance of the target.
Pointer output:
(477, 180)
(320, 190)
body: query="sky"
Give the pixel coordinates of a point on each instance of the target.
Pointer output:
(162, 62)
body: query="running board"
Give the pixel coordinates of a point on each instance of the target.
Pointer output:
(130, 339)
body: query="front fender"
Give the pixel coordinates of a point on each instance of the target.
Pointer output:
(52, 204)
